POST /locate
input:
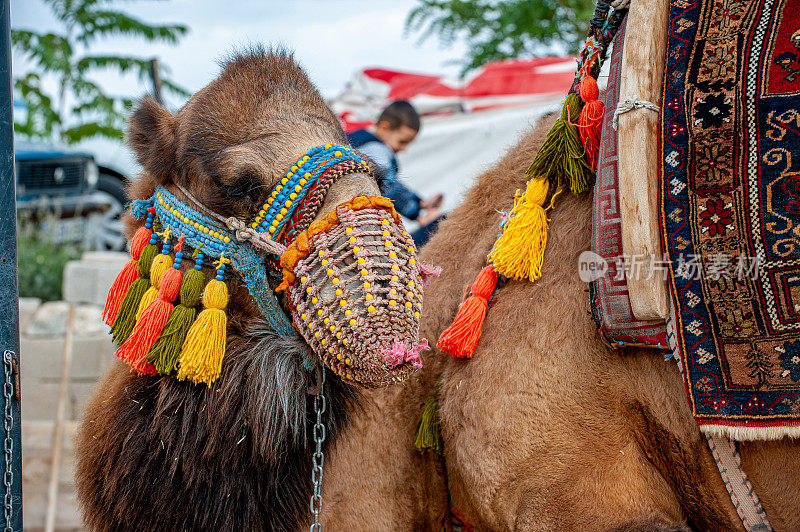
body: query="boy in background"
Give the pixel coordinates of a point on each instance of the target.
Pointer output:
(396, 127)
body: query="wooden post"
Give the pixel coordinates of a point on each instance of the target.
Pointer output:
(58, 431)
(643, 63)
(155, 75)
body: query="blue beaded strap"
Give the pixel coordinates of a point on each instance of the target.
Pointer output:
(200, 230)
(288, 194)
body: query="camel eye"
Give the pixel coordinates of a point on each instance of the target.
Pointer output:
(245, 184)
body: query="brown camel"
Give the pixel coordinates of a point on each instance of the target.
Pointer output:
(545, 428)
(157, 453)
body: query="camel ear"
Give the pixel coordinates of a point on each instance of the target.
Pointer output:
(152, 135)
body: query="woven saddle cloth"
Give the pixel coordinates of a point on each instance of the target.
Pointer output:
(610, 302)
(730, 211)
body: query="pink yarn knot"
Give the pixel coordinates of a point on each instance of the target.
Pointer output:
(428, 272)
(399, 354)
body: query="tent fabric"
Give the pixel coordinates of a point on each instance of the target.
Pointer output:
(519, 82)
(467, 124)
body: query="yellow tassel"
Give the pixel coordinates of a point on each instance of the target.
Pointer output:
(204, 347)
(160, 265)
(519, 251)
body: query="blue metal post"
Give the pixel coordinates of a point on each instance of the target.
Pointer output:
(9, 293)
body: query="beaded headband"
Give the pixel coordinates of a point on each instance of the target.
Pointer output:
(151, 304)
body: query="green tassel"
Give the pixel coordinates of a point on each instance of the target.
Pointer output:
(146, 260)
(561, 158)
(167, 348)
(194, 281)
(126, 317)
(428, 436)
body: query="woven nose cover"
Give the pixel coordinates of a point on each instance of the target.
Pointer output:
(355, 288)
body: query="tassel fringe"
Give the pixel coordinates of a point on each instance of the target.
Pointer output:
(590, 120)
(428, 436)
(126, 277)
(126, 316)
(461, 338)
(165, 351)
(204, 348)
(561, 157)
(167, 348)
(122, 283)
(519, 251)
(161, 264)
(151, 323)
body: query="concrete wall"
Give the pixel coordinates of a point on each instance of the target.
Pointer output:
(42, 330)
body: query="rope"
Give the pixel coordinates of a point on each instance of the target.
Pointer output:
(629, 104)
(198, 203)
(241, 231)
(245, 233)
(620, 4)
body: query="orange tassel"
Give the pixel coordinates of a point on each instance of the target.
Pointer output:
(126, 277)
(461, 338)
(152, 321)
(590, 120)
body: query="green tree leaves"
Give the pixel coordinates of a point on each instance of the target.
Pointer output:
(501, 29)
(62, 56)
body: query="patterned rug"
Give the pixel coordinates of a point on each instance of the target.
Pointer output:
(731, 210)
(611, 306)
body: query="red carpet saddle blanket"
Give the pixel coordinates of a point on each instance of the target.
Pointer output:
(730, 210)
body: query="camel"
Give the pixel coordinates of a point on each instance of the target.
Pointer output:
(160, 453)
(545, 428)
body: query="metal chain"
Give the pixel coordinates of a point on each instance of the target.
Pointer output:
(8, 443)
(318, 459)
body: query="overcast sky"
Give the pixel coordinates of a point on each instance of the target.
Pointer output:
(331, 38)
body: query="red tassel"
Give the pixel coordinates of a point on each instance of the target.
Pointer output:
(126, 276)
(151, 322)
(590, 120)
(461, 338)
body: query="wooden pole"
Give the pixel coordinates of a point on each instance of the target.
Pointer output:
(643, 63)
(155, 75)
(58, 431)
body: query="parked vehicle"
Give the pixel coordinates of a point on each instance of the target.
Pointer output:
(82, 204)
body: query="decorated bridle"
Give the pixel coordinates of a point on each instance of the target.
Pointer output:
(157, 337)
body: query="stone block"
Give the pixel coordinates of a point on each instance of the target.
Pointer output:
(37, 440)
(88, 321)
(40, 360)
(88, 280)
(117, 258)
(49, 320)
(27, 308)
(79, 393)
(91, 357)
(39, 400)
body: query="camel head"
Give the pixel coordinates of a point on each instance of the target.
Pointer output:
(255, 167)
